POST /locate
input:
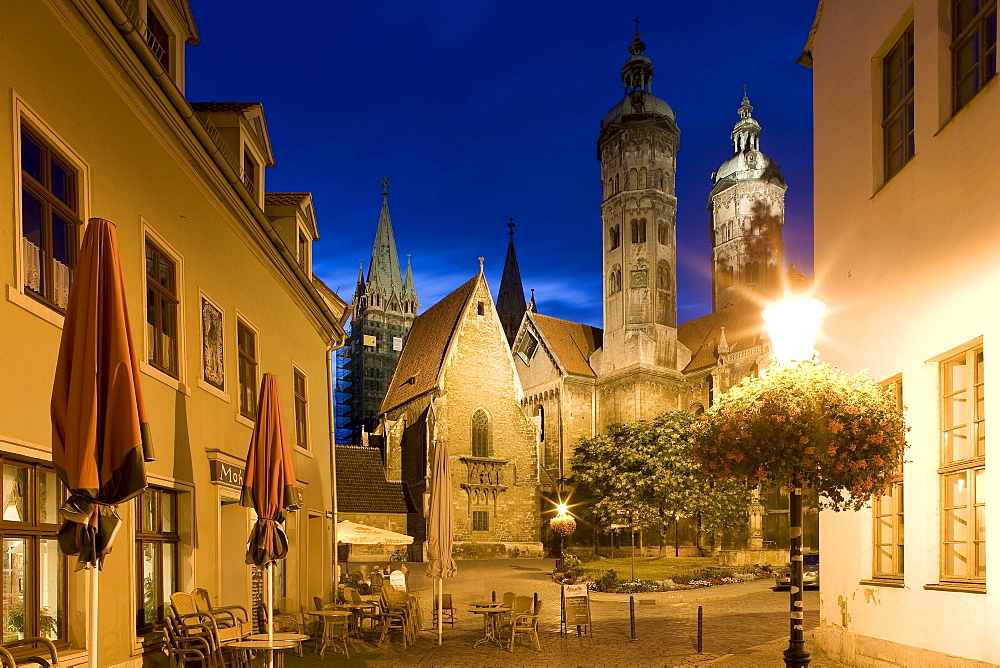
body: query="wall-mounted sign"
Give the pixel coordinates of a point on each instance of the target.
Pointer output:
(222, 472)
(369, 340)
(397, 343)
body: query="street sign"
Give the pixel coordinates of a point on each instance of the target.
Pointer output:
(620, 526)
(624, 511)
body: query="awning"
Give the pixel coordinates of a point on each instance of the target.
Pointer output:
(352, 533)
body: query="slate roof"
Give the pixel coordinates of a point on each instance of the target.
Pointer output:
(219, 107)
(284, 199)
(571, 342)
(361, 483)
(422, 359)
(744, 329)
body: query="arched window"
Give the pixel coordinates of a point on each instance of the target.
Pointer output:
(615, 281)
(480, 434)
(541, 423)
(642, 231)
(697, 409)
(616, 183)
(643, 183)
(662, 234)
(663, 275)
(615, 234)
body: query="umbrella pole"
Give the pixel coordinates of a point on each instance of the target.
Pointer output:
(440, 606)
(270, 612)
(92, 631)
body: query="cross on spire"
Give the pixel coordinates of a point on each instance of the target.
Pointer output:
(510, 225)
(385, 185)
(744, 90)
(636, 19)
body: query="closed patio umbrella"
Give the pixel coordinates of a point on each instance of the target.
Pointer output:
(100, 434)
(440, 527)
(269, 486)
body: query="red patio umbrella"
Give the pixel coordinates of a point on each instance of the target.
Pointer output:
(269, 485)
(100, 434)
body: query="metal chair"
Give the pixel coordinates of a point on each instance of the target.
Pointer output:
(447, 610)
(228, 615)
(8, 661)
(182, 650)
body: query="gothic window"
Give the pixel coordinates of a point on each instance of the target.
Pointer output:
(663, 234)
(541, 423)
(615, 234)
(639, 231)
(480, 434)
(710, 381)
(615, 280)
(663, 275)
(616, 183)
(643, 183)
(751, 273)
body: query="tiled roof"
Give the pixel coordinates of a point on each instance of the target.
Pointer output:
(426, 345)
(571, 342)
(284, 199)
(361, 483)
(213, 107)
(744, 327)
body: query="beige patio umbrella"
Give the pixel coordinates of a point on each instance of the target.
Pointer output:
(352, 533)
(440, 527)
(100, 434)
(269, 488)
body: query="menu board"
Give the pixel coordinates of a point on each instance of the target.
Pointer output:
(576, 605)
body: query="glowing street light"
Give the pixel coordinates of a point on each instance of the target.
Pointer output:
(792, 326)
(564, 525)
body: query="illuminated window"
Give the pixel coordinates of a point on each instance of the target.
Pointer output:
(973, 47)
(962, 470)
(887, 514)
(480, 520)
(246, 344)
(161, 310)
(897, 104)
(156, 541)
(480, 434)
(301, 406)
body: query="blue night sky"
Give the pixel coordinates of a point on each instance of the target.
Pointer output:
(479, 111)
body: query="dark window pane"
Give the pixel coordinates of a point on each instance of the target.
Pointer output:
(61, 185)
(61, 245)
(31, 157)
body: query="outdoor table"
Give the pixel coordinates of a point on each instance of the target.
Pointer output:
(324, 615)
(247, 647)
(356, 609)
(490, 612)
(296, 638)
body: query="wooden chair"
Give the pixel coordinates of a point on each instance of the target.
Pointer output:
(447, 610)
(526, 624)
(44, 645)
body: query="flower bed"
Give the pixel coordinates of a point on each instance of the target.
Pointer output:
(610, 583)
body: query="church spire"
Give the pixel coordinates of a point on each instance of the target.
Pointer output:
(383, 270)
(510, 298)
(637, 73)
(746, 134)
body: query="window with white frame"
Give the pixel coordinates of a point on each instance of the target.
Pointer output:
(301, 409)
(156, 542)
(161, 310)
(887, 513)
(246, 346)
(963, 468)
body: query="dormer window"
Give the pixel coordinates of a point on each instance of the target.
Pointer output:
(249, 172)
(157, 38)
(302, 249)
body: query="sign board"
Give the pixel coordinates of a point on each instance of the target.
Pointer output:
(219, 471)
(624, 511)
(620, 526)
(576, 607)
(397, 580)
(369, 340)
(397, 343)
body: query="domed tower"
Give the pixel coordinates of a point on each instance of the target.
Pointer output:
(747, 206)
(637, 148)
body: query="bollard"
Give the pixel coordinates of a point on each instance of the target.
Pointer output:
(631, 614)
(493, 597)
(700, 624)
(534, 602)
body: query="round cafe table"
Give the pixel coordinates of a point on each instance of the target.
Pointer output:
(491, 613)
(325, 615)
(296, 638)
(247, 648)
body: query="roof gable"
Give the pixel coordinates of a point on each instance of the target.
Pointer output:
(571, 343)
(744, 328)
(361, 483)
(423, 357)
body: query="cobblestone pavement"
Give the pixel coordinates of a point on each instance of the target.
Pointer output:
(744, 625)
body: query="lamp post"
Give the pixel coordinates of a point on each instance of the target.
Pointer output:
(564, 525)
(792, 326)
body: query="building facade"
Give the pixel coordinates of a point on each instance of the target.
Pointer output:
(456, 384)
(384, 307)
(906, 102)
(220, 289)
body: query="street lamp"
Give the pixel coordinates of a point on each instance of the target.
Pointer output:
(792, 326)
(564, 525)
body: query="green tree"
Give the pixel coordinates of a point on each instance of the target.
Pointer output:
(651, 468)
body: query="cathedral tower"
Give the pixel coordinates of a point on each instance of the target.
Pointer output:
(747, 206)
(385, 305)
(637, 148)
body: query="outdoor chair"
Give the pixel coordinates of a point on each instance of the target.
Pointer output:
(43, 645)
(197, 630)
(392, 618)
(447, 610)
(183, 650)
(227, 615)
(519, 605)
(286, 616)
(526, 624)
(362, 609)
(222, 624)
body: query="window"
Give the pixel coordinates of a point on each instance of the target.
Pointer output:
(663, 275)
(301, 403)
(32, 570)
(156, 542)
(973, 47)
(962, 471)
(158, 39)
(481, 308)
(246, 344)
(663, 234)
(480, 434)
(480, 520)
(161, 310)
(887, 514)
(615, 281)
(639, 231)
(527, 346)
(249, 172)
(50, 221)
(302, 249)
(615, 234)
(541, 423)
(897, 104)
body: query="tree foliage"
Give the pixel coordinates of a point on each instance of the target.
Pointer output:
(650, 468)
(808, 424)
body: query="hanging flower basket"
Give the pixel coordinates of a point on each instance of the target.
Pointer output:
(563, 524)
(843, 436)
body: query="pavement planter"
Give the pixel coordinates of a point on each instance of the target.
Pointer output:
(744, 625)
